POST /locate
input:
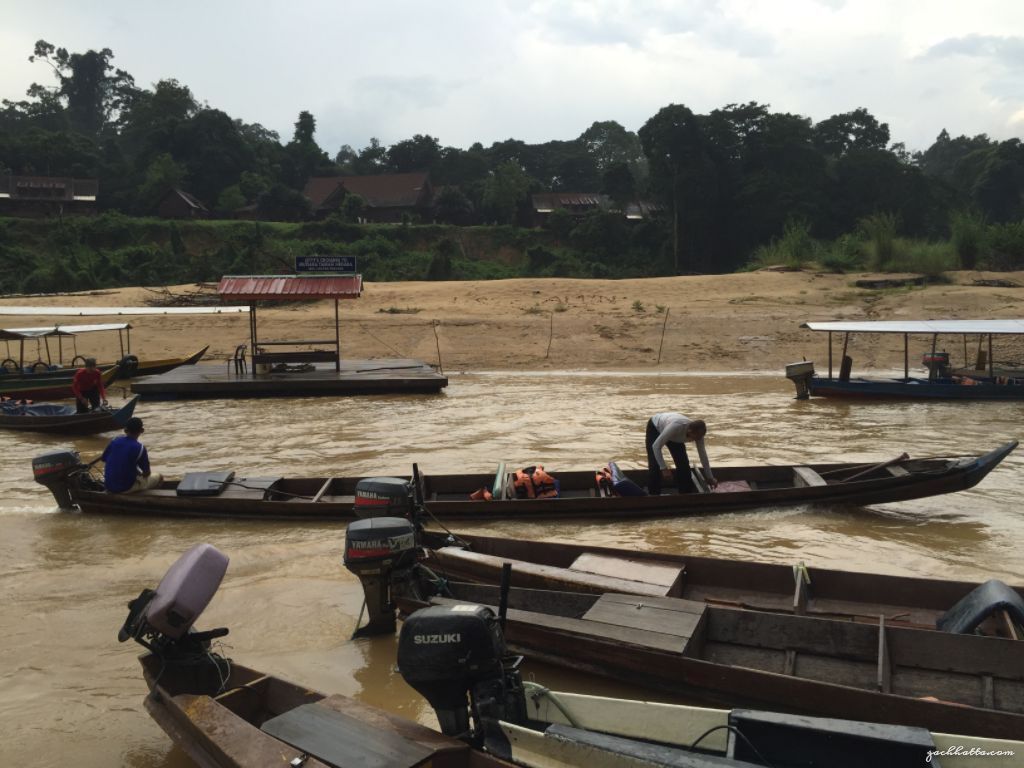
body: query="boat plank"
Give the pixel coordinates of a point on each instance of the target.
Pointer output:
(645, 638)
(668, 575)
(637, 613)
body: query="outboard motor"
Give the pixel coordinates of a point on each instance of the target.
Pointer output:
(446, 652)
(383, 497)
(53, 471)
(937, 364)
(800, 374)
(378, 550)
(162, 619)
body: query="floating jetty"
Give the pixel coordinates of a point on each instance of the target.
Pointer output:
(350, 377)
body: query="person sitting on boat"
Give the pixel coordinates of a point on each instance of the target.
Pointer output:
(674, 430)
(126, 462)
(87, 386)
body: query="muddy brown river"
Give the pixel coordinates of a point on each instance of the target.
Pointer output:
(72, 695)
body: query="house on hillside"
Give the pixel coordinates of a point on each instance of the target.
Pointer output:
(388, 196)
(579, 204)
(178, 204)
(40, 196)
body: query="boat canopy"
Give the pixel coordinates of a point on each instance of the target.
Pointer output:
(920, 326)
(115, 311)
(21, 334)
(69, 330)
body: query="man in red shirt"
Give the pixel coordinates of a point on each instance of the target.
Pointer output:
(87, 386)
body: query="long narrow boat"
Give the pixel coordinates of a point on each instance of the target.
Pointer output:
(978, 378)
(49, 385)
(970, 684)
(54, 418)
(129, 365)
(450, 497)
(796, 589)
(225, 715)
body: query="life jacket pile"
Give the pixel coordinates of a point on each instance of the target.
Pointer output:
(534, 483)
(605, 482)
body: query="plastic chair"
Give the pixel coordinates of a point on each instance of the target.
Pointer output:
(239, 359)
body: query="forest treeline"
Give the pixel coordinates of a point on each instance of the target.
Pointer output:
(739, 185)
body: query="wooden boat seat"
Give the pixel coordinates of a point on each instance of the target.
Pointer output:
(530, 574)
(667, 575)
(898, 471)
(807, 477)
(204, 483)
(331, 732)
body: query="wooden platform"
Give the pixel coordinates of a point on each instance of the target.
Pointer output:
(357, 377)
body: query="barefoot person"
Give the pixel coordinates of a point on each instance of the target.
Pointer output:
(126, 462)
(87, 387)
(674, 431)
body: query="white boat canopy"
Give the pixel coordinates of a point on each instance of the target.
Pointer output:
(85, 311)
(920, 326)
(68, 330)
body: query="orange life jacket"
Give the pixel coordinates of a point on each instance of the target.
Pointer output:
(605, 482)
(534, 483)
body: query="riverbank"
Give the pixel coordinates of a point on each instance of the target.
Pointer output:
(737, 322)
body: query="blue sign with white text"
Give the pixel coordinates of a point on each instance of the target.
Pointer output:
(324, 263)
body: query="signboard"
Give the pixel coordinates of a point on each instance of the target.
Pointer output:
(325, 263)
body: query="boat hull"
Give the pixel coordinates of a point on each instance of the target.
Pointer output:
(50, 385)
(70, 423)
(913, 389)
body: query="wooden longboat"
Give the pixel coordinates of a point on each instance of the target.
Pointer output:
(447, 497)
(802, 590)
(148, 367)
(977, 379)
(53, 418)
(48, 385)
(967, 684)
(233, 729)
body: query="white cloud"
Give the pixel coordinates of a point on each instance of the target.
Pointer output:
(537, 70)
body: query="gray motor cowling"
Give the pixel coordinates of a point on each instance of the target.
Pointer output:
(376, 549)
(451, 651)
(53, 469)
(162, 619)
(383, 497)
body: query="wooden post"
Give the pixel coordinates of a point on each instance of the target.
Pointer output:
(551, 335)
(437, 343)
(663, 326)
(337, 339)
(906, 356)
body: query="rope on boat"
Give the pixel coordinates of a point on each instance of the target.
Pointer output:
(536, 691)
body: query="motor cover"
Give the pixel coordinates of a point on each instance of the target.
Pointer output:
(378, 541)
(54, 465)
(186, 589)
(383, 497)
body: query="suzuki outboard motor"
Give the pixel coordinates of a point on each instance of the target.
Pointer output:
(161, 619)
(378, 550)
(447, 652)
(53, 470)
(383, 497)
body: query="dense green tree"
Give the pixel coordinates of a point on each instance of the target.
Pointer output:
(452, 206)
(162, 175)
(93, 90)
(505, 192)
(857, 130)
(420, 153)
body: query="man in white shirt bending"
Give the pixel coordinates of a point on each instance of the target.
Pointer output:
(674, 430)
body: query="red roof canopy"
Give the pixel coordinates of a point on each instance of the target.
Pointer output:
(289, 287)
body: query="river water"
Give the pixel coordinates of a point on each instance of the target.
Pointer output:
(71, 695)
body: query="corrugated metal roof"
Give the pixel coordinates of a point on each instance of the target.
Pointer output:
(921, 326)
(287, 287)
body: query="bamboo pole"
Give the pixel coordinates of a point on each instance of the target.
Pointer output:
(663, 326)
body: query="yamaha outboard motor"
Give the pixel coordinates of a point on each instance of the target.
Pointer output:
(379, 550)
(383, 497)
(801, 374)
(451, 651)
(53, 471)
(161, 619)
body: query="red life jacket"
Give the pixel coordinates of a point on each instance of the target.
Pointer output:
(534, 483)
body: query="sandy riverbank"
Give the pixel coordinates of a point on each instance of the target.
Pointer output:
(740, 322)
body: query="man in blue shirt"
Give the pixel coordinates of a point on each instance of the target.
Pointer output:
(126, 463)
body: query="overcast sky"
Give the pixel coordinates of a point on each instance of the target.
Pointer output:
(487, 70)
